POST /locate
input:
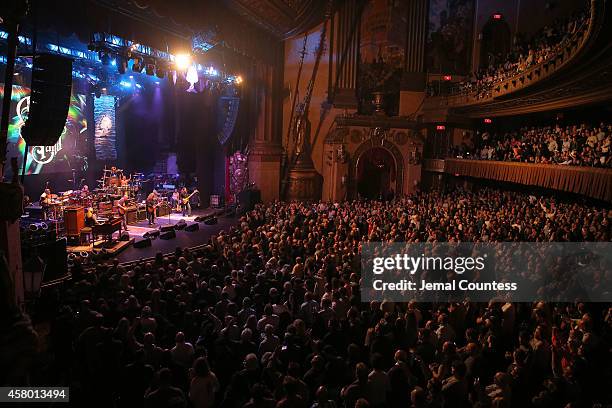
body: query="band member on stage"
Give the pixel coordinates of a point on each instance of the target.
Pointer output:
(90, 218)
(122, 209)
(185, 205)
(85, 191)
(151, 207)
(176, 200)
(45, 203)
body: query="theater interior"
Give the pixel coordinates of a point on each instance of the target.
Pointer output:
(306, 203)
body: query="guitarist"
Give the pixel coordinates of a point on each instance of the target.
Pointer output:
(122, 209)
(151, 202)
(185, 205)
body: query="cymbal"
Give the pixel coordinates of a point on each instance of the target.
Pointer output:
(67, 193)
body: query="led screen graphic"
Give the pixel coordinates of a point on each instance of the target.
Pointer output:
(104, 133)
(70, 151)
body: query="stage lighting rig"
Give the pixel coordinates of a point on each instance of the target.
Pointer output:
(121, 64)
(105, 57)
(137, 65)
(204, 41)
(150, 66)
(182, 62)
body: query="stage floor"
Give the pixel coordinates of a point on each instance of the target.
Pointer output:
(183, 239)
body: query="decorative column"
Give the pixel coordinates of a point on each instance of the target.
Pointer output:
(414, 76)
(265, 147)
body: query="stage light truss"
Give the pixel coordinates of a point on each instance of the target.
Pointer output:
(116, 51)
(204, 41)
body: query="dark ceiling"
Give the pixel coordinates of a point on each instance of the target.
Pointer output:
(283, 18)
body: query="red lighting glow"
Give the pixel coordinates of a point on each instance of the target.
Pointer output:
(487, 120)
(497, 16)
(447, 77)
(440, 127)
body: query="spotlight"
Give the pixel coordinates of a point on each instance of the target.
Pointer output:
(122, 65)
(137, 65)
(182, 61)
(104, 57)
(150, 67)
(238, 80)
(114, 63)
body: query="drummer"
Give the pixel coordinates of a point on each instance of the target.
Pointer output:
(85, 191)
(45, 202)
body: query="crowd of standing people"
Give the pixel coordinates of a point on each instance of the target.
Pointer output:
(269, 314)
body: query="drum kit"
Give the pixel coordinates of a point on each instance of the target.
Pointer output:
(57, 203)
(115, 183)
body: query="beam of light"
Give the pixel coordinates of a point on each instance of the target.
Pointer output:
(182, 61)
(192, 78)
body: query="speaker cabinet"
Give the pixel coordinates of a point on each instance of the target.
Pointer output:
(167, 228)
(210, 221)
(143, 243)
(168, 235)
(49, 100)
(192, 227)
(74, 221)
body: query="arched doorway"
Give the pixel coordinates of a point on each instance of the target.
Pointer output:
(376, 174)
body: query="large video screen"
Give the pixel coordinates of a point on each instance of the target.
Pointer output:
(70, 151)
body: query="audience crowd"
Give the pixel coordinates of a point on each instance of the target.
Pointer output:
(575, 145)
(545, 44)
(269, 315)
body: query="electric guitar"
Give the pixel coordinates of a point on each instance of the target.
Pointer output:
(186, 199)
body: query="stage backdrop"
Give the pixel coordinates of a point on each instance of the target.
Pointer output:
(70, 151)
(104, 132)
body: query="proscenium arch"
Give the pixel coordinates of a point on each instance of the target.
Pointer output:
(397, 158)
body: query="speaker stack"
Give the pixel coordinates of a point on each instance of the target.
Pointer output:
(49, 100)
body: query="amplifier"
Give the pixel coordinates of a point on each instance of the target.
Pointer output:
(141, 212)
(131, 215)
(74, 221)
(163, 210)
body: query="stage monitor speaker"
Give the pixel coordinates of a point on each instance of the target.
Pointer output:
(192, 227)
(167, 228)
(49, 100)
(151, 234)
(210, 221)
(125, 236)
(180, 225)
(143, 243)
(168, 235)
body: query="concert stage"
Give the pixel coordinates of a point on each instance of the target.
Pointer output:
(183, 238)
